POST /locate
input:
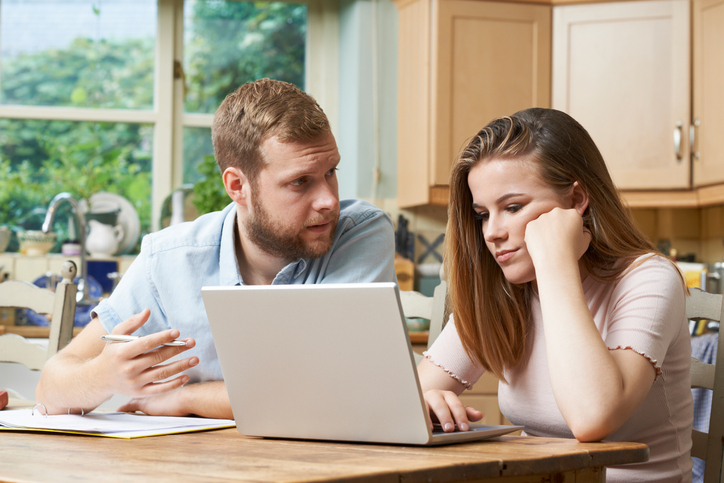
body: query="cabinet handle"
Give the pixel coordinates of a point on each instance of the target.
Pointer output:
(692, 138)
(677, 140)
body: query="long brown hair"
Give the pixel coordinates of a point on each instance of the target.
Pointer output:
(491, 314)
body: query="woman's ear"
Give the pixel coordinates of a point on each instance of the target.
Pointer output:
(237, 185)
(579, 198)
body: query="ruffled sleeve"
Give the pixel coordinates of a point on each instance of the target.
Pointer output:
(649, 310)
(448, 353)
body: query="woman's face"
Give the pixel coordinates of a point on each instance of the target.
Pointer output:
(507, 195)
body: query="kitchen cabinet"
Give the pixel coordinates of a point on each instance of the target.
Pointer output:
(622, 70)
(645, 79)
(708, 98)
(461, 64)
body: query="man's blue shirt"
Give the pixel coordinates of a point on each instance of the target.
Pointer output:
(176, 262)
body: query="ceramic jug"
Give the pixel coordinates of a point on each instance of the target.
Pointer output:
(103, 239)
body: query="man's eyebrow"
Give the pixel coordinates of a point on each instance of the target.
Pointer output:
(305, 171)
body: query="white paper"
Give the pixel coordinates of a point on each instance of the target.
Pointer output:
(108, 424)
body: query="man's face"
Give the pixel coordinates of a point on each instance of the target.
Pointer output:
(294, 208)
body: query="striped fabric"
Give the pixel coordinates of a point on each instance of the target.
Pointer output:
(703, 347)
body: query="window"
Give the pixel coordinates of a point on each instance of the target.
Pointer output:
(119, 95)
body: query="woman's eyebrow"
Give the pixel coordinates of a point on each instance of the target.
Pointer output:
(499, 200)
(507, 196)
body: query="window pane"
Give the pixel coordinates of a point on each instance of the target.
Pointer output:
(228, 43)
(80, 53)
(39, 159)
(197, 145)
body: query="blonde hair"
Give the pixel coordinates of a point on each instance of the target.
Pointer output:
(491, 314)
(256, 111)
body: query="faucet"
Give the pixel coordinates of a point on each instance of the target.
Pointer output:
(82, 298)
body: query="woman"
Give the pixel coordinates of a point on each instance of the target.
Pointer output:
(554, 289)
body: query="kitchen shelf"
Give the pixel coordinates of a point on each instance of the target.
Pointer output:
(32, 332)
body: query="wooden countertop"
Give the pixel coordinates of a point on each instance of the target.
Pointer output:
(418, 337)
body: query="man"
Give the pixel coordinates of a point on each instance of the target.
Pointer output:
(286, 225)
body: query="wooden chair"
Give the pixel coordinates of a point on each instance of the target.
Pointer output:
(415, 304)
(59, 304)
(709, 447)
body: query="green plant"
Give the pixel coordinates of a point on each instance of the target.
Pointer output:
(228, 43)
(209, 193)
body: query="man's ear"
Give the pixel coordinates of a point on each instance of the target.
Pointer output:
(579, 198)
(237, 185)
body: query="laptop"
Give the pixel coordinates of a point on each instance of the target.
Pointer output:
(323, 362)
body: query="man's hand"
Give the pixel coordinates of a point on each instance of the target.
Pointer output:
(207, 399)
(136, 368)
(89, 371)
(166, 404)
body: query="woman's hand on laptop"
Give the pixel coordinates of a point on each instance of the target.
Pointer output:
(441, 396)
(136, 368)
(446, 408)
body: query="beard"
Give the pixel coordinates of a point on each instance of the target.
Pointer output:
(283, 241)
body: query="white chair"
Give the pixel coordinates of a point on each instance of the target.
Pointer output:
(709, 447)
(415, 304)
(60, 305)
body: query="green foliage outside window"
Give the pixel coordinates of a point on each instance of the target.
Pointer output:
(39, 159)
(209, 192)
(229, 43)
(80, 158)
(110, 74)
(226, 44)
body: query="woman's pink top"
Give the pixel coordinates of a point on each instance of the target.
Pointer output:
(643, 312)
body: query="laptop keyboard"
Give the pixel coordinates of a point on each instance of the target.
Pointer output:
(437, 428)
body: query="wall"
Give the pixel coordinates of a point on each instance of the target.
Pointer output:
(367, 130)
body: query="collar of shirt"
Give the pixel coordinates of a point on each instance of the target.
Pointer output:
(229, 267)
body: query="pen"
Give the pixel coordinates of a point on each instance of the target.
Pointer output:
(129, 338)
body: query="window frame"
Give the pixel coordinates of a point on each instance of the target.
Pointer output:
(168, 117)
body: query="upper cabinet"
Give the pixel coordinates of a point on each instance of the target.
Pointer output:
(622, 70)
(708, 80)
(462, 64)
(645, 78)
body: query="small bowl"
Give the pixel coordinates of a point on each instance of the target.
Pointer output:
(35, 242)
(4, 238)
(417, 324)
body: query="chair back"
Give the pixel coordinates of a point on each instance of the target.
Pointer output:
(60, 305)
(415, 304)
(709, 447)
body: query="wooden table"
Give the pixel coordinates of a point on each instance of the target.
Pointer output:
(225, 455)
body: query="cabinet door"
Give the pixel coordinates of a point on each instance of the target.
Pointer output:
(413, 102)
(489, 60)
(461, 64)
(708, 38)
(622, 70)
